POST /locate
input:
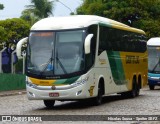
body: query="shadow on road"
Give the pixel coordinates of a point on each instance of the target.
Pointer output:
(157, 88)
(86, 103)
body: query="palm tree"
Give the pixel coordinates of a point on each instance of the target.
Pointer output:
(41, 8)
(37, 10)
(29, 16)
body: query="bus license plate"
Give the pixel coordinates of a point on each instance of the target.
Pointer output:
(53, 94)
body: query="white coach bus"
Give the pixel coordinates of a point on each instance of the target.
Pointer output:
(83, 56)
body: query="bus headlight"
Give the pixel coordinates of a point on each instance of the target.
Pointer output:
(30, 84)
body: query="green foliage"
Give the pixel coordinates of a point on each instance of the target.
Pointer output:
(3, 34)
(142, 14)
(13, 30)
(1, 6)
(41, 8)
(91, 7)
(28, 16)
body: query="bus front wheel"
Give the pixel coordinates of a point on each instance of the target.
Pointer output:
(98, 99)
(49, 103)
(151, 87)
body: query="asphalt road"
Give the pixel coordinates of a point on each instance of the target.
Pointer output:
(148, 103)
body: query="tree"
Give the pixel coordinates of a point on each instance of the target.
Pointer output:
(12, 30)
(28, 16)
(1, 6)
(143, 14)
(38, 9)
(93, 7)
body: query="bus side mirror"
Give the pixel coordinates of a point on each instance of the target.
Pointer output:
(87, 43)
(19, 46)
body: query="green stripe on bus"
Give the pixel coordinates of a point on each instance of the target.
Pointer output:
(116, 67)
(105, 24)
(67, 81)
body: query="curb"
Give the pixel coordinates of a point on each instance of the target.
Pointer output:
(11, 93)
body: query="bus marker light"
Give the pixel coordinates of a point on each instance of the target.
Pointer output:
(79, 92)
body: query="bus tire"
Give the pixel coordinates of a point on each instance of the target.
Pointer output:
(137, 89)
(49, 103)
(134, 92)
(98, 99)
(151, 87)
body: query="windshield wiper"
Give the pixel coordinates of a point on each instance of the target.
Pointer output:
(64, 70)
(156, 65)
(50, 61)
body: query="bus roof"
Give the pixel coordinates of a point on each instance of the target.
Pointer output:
(79, 21)
(154, 41)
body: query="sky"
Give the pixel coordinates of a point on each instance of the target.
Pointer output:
(13, 8)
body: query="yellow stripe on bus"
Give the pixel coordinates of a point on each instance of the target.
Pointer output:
(128, 29)
(42, 82)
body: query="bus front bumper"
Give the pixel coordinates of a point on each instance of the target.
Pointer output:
(153, 82)
(72, 93)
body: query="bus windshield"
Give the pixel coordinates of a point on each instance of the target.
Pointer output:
(52, 53)
(154, 59)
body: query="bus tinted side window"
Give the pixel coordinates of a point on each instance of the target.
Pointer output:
(120, 40)
(105, 39)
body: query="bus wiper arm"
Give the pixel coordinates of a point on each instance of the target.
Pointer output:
(61, 65)
(50, 61)
(156, 65)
